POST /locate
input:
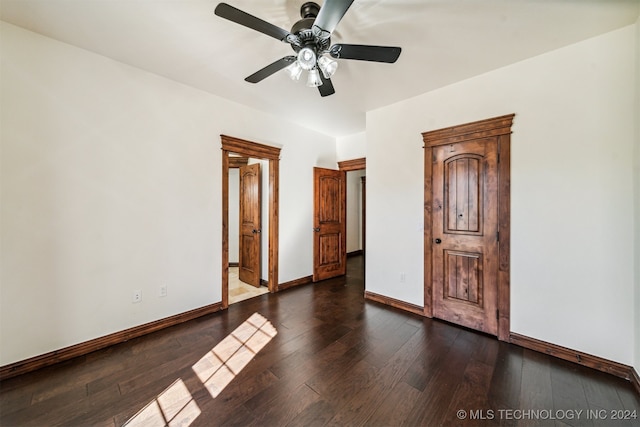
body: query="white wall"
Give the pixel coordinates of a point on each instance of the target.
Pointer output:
(351, 146)
(110, 182)
(572, 252)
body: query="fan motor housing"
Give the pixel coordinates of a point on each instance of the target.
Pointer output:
(303, 24)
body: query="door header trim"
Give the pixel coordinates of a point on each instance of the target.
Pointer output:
(249, 148)
(475, 130)
(353, 165)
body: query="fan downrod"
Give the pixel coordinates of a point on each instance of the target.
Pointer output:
(309, 10)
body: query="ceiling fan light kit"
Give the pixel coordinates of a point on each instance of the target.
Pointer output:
(295, 71)
(327, 66)
(314, 78)
(310, 38)
(306, 58)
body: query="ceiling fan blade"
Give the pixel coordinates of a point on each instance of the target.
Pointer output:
(361, 52)
(326, 88)
(330, 14)
(243, 18)
(270, 69)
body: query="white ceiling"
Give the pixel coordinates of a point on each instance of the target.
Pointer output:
(443, 41)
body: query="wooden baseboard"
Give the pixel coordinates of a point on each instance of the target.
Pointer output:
(298, 282)
(51, 358)
(355, 253)
(402, 305)
(588, 360)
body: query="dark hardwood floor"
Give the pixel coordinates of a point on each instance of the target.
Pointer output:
(336, 360)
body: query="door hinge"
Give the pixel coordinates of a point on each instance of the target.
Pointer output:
(497, 314)
(498, 157)
(497, 236)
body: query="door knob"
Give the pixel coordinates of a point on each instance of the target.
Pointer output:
(438, 241)
(254, 231)
(317, 229)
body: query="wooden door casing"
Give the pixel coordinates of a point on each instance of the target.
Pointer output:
(329, 222)
(250, 224)
(231, 147)
(465, 264)
(464, 228)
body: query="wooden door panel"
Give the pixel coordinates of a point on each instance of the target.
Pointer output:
(329, 210)
(328, 255)
(463, 276)
(463, 196)
(250, 227)
(329, 243)
(246, 255)
(464, 229)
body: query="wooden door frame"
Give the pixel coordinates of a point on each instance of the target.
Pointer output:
(499, 127)
(259, 151)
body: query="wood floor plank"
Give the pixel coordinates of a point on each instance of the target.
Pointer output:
(629, 398)
(536, 375)
(471, 395)
(438, 340)
(568, 393)
(504, 390)
(340, 387)
(374, 393)
(397, 406)
(433, 406)
(300, 366)
(315, 415)
(298, 400)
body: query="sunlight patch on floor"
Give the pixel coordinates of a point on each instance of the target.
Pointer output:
(173, 407)
(216, 369)
(219, 367)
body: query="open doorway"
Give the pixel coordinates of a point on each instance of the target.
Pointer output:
(356, 185)
(248, 244)
(233, 149)
(356, 208)
(331, 217)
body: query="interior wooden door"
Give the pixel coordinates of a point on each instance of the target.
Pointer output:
(250, 227)
(465, 233)
(329, 222)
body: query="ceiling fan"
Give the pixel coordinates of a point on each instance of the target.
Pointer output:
(310, 38)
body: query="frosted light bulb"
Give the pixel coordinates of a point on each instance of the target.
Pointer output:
(307, 58)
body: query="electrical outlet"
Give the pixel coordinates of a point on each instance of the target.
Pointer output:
(163, 291)
(137, 296)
